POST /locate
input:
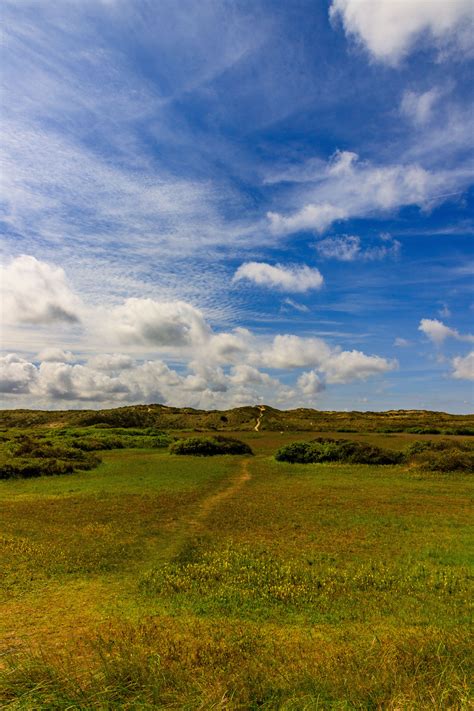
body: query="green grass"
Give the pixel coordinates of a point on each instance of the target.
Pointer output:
(174, 582)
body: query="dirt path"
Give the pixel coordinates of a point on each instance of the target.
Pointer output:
(72, 605)
(209, 504)
(194, 524)
(259, 419)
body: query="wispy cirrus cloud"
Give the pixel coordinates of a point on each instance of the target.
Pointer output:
(348, 248)
(349, 188)
(418, 107)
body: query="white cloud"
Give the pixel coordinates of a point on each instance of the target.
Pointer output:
(345, 248)
(418, 107)
(204, 378)
(310, 383)
(214, 369)
(36, 292)
(111, 362)
(346, 366)
(390, 28)
(227, 347)
(351, 188)
(298, 279)
(16, 374)
(309, 218)
(118, 379)
(162, 324)
(302, 308)
(348, 248)
(247, 375)
(337, 366)
(55, 355)
(288, 351)
(464, 367)
(438, 332)
(444, 311)
(401, 342)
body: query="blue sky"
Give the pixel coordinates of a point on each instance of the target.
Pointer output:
(219, 203)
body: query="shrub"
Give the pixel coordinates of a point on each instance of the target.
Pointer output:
(441, 445)
(31, 457)
(210, 446)
(443, 456)
(332, 450)
(451, 460)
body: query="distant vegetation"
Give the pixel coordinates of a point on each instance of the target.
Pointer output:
(210, 446)
(162, 417)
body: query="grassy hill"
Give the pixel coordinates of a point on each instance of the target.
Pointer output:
(244, 419)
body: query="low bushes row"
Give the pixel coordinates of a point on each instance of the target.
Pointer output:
(324, 449)
(27, 468)
(443, 455)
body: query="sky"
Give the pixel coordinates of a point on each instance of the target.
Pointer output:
(214, 203)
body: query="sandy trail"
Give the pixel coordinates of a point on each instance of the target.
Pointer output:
(260, 417)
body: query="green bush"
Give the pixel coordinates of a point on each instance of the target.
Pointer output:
(444, 455)
(451, 460)
(441, 445)
(332, 450)
(28, 468)
(30, 457)
(210, 446)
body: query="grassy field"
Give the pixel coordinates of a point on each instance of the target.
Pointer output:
(173, 582)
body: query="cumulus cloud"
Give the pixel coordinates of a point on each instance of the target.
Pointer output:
(16, 374)
(55, 381)
(247, 375)
(158, 323)
(347, 188)
(401, 342)
(227, 347)
(204, 378)
(215, 369)
(390, 28)
(336, 365)
(297, 279)
(438, 332)
(310, 383)
(55, 355)
(111, 361)
(346, 366)
(288, 351)
(36, 292)
(464, 367)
